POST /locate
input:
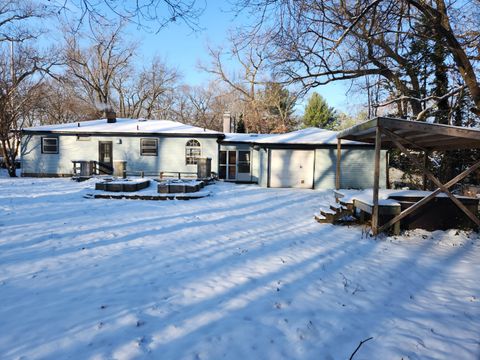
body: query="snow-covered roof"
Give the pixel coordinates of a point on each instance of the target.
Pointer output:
(246, 138)
(308, 136)
(125, 126)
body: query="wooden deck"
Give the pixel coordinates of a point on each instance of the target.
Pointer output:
(441, 213)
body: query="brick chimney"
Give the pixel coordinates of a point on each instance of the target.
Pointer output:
(228, 125)
(111, 116)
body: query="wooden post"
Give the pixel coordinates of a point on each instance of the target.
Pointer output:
(425, 164)
(387, 170)
(376, 179)
(337, 170)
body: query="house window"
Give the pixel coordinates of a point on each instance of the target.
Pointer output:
(192, 152)
(243, 162)
(49, 145)
(149, 147)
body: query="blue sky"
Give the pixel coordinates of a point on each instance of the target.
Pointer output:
(184, 49)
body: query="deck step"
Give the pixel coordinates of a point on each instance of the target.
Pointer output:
(322, 219)
(338, 208)
(346, 205)
(327, 212)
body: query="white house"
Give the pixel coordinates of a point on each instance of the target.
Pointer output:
(304, 158)
(152, 146)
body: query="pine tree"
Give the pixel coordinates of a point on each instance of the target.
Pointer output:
(240, 129)
(318, 113)
(440, 80)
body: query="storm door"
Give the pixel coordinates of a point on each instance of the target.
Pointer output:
(228, 165)
(105, 153)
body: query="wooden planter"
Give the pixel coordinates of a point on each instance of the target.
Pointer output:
(123, 186)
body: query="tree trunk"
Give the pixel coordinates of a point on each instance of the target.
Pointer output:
(12, 170)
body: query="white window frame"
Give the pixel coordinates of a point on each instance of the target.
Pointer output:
(144, 147)
(49, 138)
(191, 158)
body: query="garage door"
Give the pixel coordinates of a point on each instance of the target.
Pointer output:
(291, 168)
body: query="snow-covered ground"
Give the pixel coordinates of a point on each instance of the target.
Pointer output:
(243, 274)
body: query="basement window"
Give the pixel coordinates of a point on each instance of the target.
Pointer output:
(49, 145)
(193, 151)
(148, 147)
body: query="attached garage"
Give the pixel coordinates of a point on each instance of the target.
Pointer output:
(300, 159)
(307, 159)
(291, 168)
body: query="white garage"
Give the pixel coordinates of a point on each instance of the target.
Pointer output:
(300, 159)
(291, 168)
(307, 159)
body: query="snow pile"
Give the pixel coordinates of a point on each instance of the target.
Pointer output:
(244, 274)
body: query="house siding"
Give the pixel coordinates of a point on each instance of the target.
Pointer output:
(263, 167)
(171, 153)
(255, 165)
(357, 168)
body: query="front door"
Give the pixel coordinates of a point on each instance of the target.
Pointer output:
(105, 152)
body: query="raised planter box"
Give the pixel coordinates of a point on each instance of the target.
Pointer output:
(122, 186)
(179, 187)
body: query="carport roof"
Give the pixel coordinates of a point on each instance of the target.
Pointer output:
(414, 134)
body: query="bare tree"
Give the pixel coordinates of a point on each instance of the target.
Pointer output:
(316, 43)
(204, 105)
(145, 93)
(21, 71)
(58, 101)
(265, 105)
(251, 61)
(97, 65)
(151, 15)
(20, 77)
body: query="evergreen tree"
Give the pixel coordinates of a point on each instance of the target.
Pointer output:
(240, 125)
(278, 104)
(440, 79)
(318, 113)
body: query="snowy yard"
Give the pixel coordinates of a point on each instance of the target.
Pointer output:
(244, 274)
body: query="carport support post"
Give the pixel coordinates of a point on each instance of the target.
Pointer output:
(425, 165)
(339, 158)
(376, 179)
